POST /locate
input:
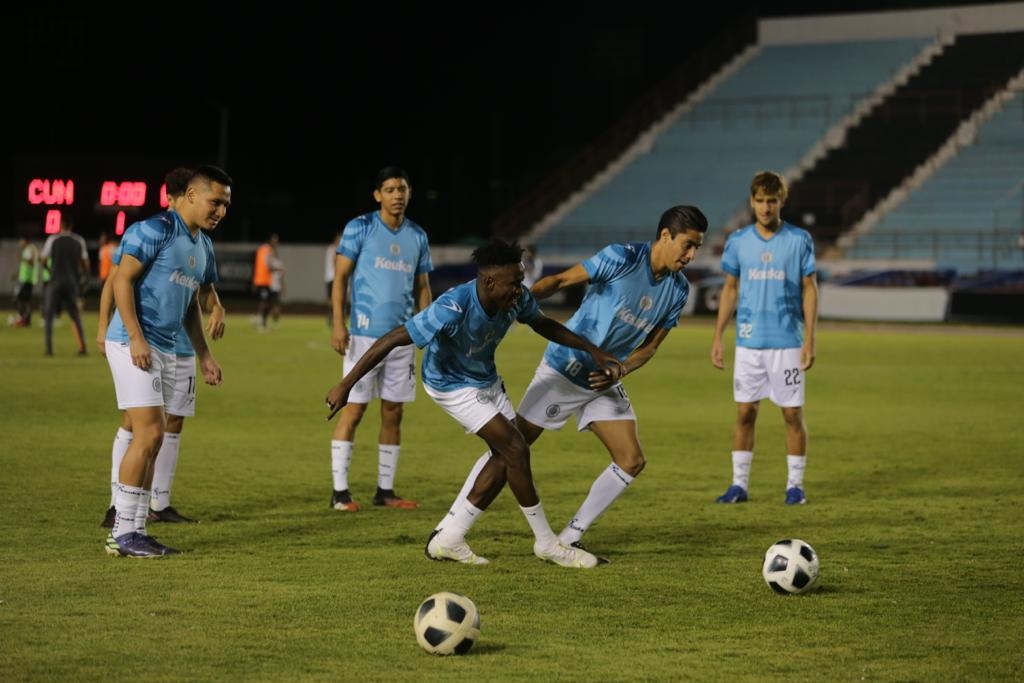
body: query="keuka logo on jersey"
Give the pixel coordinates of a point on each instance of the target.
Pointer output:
(389, 264)
(179, 278)
(765, 274)
(630, 318)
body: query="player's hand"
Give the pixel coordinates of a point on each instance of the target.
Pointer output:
(339, 340)
(806, 358)
(613, 367)
(140, 352)
(716, 354)
(101, 344)
(599, 381)
(211, 371)
(337, 397)
(215, 324)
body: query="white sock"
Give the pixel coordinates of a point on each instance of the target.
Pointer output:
(341, 458)
(467, 486)
(163, 471)
(795, 464)
(741, 468)
(127, 505)
(387, 464)
(539, 523)
(608, 486)
(142, 512)
(458, 525)
(122, 440)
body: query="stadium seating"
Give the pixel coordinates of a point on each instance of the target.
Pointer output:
(768, 114)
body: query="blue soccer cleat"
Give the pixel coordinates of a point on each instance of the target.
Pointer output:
(733, 494)
(132, 544)
(795, 496)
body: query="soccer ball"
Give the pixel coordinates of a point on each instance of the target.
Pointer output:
(447, 624)
(790, 567)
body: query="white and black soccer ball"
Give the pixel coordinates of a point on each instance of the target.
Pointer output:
(447, 624)
(790, 567)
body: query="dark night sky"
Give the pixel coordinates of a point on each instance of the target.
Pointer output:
(477, 111)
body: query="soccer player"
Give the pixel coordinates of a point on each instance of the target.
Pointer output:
(383, 262)
(70, 267)
(27, 276)
(635, 296)
(770, 283)
(164, 260)
(182, 404)
(461, 331)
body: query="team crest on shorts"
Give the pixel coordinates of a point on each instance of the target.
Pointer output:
(553, 410)
(736, 385)
(483, 396)
(156, 384)
(358, 386)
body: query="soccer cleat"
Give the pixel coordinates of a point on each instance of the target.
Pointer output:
(169, 514)
(160, 547)
(108, 519)
(388, 498)
(131, 544)
(341, 500)
(458, 552)
(733, 494)
(565, 555)
(579, 545)
(795, 496)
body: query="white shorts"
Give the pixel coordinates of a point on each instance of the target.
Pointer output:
(551, 399)
(472, 407)
(393, 379)
(137, 388)
(183, 403)
(774, 374)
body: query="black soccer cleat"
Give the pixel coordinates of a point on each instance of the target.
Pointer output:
(169, 514)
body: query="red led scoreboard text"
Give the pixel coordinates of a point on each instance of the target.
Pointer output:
(57, 193)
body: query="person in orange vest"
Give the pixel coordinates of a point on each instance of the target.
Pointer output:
(263, 278)
(106, 256)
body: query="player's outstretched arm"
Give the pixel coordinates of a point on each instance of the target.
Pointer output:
(337, 397)
(546, 286)
(636, 360)
(555, 331)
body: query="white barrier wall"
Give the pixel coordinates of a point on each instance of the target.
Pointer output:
(903, 304)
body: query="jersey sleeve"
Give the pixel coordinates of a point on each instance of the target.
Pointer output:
(352, 239)
(607, 264)
(444, 314)
(528, 307)
(730, 257)
(144, 243)
(425, 264)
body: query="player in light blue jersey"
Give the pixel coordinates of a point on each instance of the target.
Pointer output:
(461, 331)
(182, 404)
(383, 263)
(635, 296)
(771, 285)
(164, 261)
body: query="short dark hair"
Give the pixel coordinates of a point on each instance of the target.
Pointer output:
(771, 183)
(176, 180)
(211, 174)
(497, 253)
(682, 218)
(387, 173)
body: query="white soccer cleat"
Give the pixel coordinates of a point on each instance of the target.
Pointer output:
(456, 552)
(565, 556)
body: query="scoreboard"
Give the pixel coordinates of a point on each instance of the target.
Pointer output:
(117, 198)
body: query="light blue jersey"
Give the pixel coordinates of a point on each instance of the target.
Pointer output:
(769, 313)
(387, 263)
(622, 306)
(174, 264)
(462, 337)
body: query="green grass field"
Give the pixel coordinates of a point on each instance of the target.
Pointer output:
(915, 484)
